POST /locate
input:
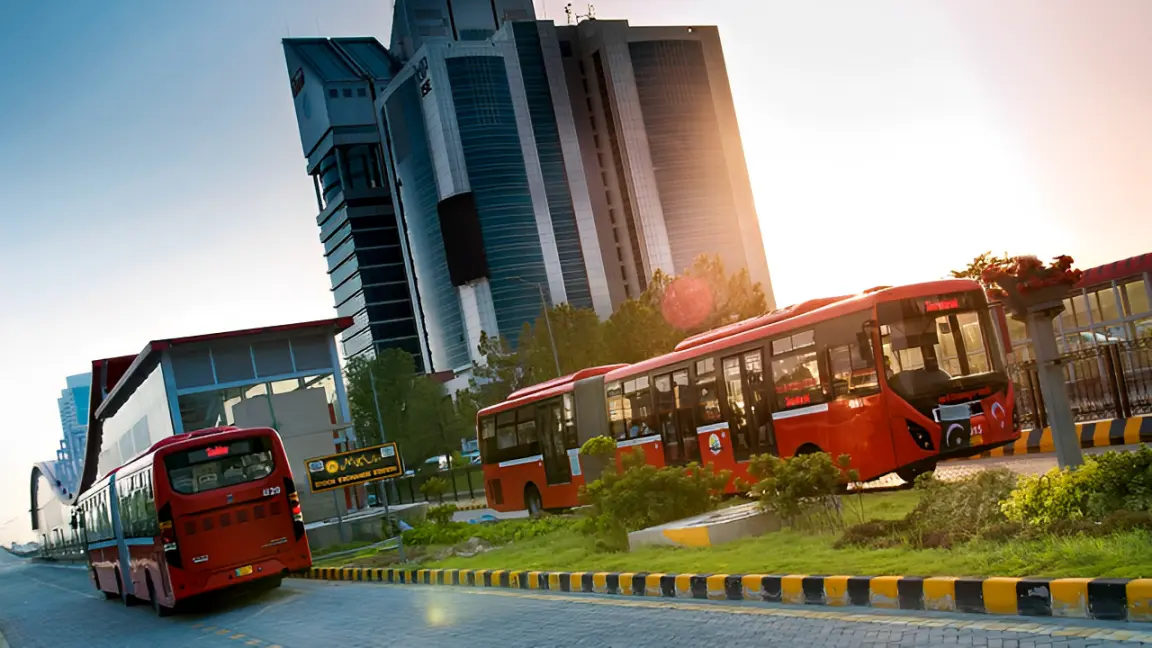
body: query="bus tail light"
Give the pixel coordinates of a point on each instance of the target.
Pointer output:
(294, 507)
(168, 537)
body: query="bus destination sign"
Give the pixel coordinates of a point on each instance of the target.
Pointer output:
(353, 467)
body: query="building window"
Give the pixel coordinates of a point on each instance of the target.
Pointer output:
(333, 92)
(347, 92)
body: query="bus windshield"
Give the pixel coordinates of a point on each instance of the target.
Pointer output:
(938, 343)
(221, 465)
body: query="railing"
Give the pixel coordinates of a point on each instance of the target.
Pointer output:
(464, 484)
(1107, 381)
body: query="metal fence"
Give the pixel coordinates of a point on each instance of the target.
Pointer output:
(464, 484)
(1107, 381)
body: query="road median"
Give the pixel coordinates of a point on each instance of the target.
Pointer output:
(1114, 599)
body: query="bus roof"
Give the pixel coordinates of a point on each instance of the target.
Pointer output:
(548, 388)
(770, 317)
(832, 309)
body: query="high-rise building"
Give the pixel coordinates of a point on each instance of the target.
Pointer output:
(73, 405)
(487, 164)
(662, 151)
(334, 83)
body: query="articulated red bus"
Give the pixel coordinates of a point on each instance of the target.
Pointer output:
(898, 378)
(197, 512)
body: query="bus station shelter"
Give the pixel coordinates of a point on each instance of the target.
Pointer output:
(286, 377)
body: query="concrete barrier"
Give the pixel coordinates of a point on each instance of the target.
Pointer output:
(1099, 434)
(713, 528)
(1115, 599)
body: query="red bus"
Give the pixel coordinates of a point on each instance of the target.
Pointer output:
(796, 380)
(196, 513)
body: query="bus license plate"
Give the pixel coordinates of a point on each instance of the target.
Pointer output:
(244, 571)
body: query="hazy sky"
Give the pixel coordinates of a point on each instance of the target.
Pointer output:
(154, 184)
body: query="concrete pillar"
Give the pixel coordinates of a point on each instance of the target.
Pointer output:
(1040, 323)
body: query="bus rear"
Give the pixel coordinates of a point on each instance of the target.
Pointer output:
(949, 395)
(229, 512)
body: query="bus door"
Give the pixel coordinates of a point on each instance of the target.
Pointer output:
(675, 418)
(550, 423)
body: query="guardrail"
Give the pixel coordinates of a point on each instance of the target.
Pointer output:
(1109, 381)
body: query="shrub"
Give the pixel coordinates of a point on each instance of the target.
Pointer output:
(948, 513)
(643, 496)
(495, 533)
(963, 508)
(802, 490)
(1107, 483)
(598, 446)
(434, 488)
(441, 514)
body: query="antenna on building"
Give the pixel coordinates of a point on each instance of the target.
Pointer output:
(568, 12)
(318, 32)
(591, 15)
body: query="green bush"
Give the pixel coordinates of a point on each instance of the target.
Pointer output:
(948, 513)
(598, 446)
(442, 514)
(434, 488)
(496, 533)
(803, 490)
(642, 496)
(1107, 483)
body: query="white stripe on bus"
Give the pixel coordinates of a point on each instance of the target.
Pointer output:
(628, 443)
(803, 411)
(525, 460)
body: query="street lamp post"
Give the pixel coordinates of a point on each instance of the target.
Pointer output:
(547, 322)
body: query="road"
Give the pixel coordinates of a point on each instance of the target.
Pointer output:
(45, 606)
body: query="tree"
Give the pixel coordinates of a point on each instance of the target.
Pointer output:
(415, 410)
(977, 266)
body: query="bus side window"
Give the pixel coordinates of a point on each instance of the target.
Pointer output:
(505, 433)
(852, 375)
(638, 406)
(707, 393)
(617, 419)
(796, 371)
(526, 435)
(488, 439)
(570, 440)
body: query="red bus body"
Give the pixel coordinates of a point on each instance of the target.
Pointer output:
(807, 378)
(210, 530)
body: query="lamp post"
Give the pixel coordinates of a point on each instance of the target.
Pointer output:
(547, 322)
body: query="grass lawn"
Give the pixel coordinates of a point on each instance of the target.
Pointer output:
(1127, 555)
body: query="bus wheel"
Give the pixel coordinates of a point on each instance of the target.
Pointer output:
(121, 591)
(910, 473)
(532, 501)
(807, 449)
(159, 609)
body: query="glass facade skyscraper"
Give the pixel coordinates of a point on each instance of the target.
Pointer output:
(487, 164)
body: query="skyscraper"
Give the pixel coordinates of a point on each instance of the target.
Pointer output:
(662, 151)
(73, 405)
(487, 164)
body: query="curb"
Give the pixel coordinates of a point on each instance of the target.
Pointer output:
(1114, 599)
(1101, 434)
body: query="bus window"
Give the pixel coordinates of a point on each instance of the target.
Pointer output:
(639, 408)
(526, 429)
(760, 415)
(665, 423)
(797, 374)
(570, 439)
(505, 432)
(617, 425)
(852, 374)
(707, 393)
(228, 464)
(487, 439)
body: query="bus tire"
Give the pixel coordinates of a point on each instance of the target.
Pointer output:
(807, 449)
(532, 501)
(121, 591)
(160, 610)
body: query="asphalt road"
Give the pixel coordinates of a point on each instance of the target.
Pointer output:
(45, 606)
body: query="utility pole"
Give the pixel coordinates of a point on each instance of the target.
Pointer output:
(381, 487)
(547, 323)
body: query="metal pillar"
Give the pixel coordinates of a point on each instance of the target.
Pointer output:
(1051, 373)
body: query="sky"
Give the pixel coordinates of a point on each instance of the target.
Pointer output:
(154, 185)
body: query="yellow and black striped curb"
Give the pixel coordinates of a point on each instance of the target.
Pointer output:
(1114, 599)
(1101, 434)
